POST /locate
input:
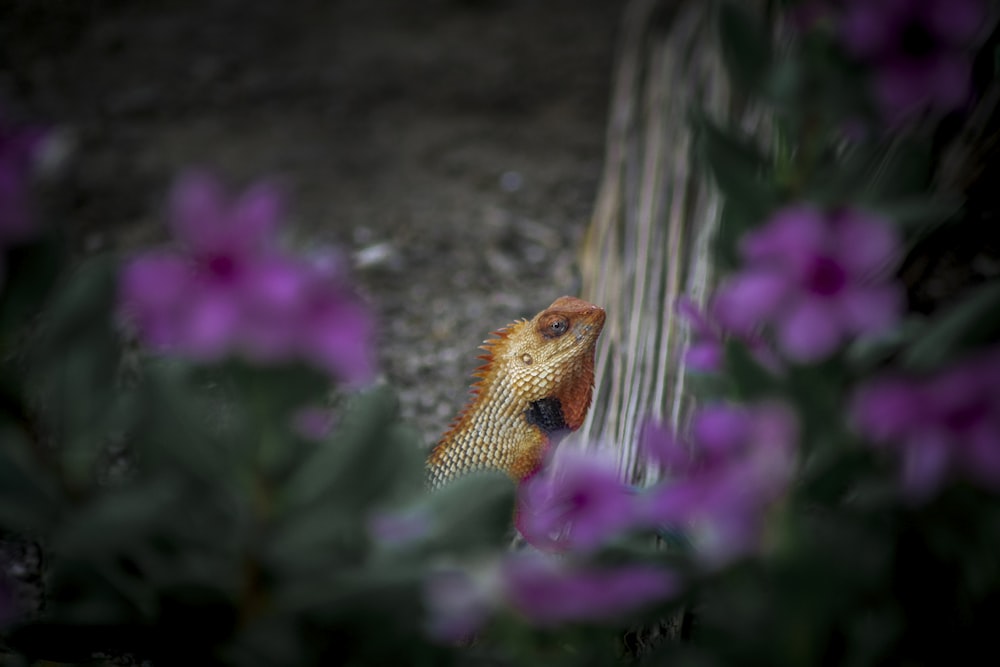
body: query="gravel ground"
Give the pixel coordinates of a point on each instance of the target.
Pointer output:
(453, 148)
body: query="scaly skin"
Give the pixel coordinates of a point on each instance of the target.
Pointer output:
(536, 384)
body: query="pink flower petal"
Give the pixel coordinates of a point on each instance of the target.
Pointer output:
(775, 425)
(578, 502)
(16, 222)
(747, 299)
(197, 211)
(867, 245)
(338, 337)
(956, 21)
(925, 463)
(809, 330)
(256, 215)
(700, 326)
(949, 81)
(980, 457)
(704, 357)
(720, 430)
(905, 87)
(872, 310)
(276, 289)
(792, 233)
(279, 286)
(155, 281)
(549, 592)
(867, 28)
(888, 409)
(212, 323)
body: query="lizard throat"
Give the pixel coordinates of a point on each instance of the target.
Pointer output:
(547, 415)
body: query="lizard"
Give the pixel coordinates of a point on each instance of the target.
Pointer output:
(535, 385)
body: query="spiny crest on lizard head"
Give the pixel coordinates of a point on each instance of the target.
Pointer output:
(537, 379)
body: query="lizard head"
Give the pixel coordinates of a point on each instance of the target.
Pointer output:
(536, 383)
(551, 356)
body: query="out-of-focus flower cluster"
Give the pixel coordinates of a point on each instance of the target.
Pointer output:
(919, 51)
(230, 289)
(19, 148)
(716, 486)
(917, 54)
(940, 426)
(716, 491)
(706, 350)
(816, 278)
(577, 502)
(541, 588)
(720, 482)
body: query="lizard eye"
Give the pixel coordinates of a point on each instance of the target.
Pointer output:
(555, 328)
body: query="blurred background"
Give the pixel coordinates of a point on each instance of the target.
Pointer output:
(452, 147)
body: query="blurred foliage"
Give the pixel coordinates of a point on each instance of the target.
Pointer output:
(186, 518)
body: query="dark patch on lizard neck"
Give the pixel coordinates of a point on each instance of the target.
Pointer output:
(547, 415)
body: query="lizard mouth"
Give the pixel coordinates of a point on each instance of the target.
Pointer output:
(591, 326)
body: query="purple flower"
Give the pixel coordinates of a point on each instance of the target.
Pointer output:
(659, 444)
(230, 288)
(705, 352)
(817, 278)
(720, 483)
(19, 147)
(543, 589)
(577, 502)
(549, 591)
(918, 50)
(942, 425)
(335, 328)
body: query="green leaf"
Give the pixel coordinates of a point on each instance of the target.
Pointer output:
(271, 392)
(261, 401)
(83, 303)
(784, 84)
(472, 513)
(28, 275)
(171, 427)
(73, 363)
(734, 222)
(846, 178)
(903, 170)
(303, 545)
(817, 392)
(368, 457)
(118, 520)
(740, 170)
(750, 379)
(974, 321)
(867, 353)
(746, 45)
(270, 640)
(919, 215)
(29, 498)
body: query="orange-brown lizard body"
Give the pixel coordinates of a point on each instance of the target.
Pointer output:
(536, 383)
